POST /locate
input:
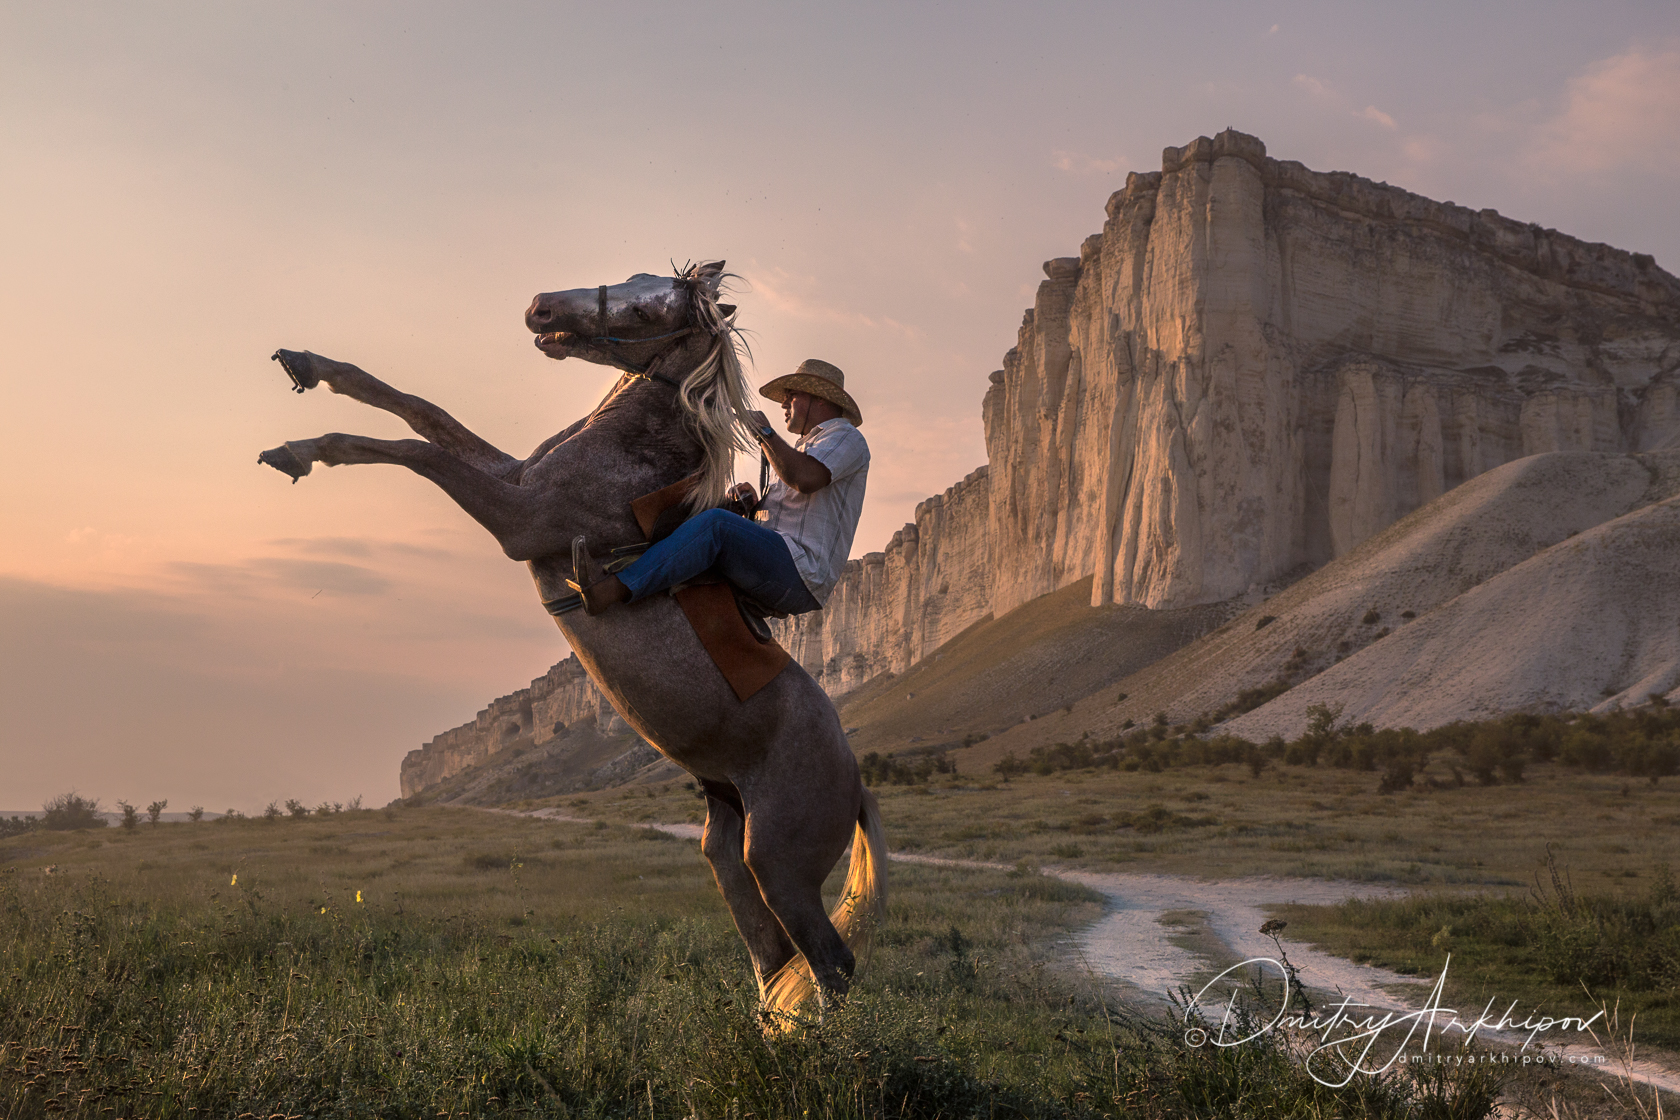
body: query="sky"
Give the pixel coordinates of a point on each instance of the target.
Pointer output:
(186, 187)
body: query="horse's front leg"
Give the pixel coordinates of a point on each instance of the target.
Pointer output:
(428, 420)
(517, 517)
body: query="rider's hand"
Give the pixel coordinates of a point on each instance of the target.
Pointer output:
(758, 420)
(745, 493)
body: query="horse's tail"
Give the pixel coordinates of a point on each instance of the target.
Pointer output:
(862, 907)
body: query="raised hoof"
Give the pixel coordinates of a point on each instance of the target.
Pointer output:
(282, 459)
(297, 365)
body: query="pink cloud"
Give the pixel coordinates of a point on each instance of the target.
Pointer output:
(1313, 86)
(1078, 163)
(1372, 113)
(1621, 112)
(1320, 90)
(801, 297)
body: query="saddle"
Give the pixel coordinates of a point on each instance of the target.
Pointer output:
(730, 624)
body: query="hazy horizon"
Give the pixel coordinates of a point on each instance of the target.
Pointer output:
(390, 185)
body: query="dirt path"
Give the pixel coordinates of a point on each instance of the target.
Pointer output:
(1144, 942)
(1160, 932)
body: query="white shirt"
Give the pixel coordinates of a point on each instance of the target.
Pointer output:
(819, 527)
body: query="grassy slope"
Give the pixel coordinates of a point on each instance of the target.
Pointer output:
(1034, 662)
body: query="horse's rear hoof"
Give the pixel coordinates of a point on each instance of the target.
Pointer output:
(300, 369)
(282, 459)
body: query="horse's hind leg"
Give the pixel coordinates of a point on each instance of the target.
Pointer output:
(428, 420)
(790, 851)
(725, 836)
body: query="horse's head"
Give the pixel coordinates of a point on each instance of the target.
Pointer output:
(677, 324)
(626, 325)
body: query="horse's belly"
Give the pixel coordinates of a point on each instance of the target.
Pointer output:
(650, 665)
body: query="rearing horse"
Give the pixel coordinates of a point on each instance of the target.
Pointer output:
(783, 794)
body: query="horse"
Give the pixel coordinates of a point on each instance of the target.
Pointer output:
(781, 784)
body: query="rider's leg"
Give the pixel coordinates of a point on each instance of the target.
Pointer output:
(753, 558)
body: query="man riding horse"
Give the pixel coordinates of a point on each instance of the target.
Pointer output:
(784, 798)
(791, 557)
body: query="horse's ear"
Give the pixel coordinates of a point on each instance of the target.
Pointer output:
(726, 309)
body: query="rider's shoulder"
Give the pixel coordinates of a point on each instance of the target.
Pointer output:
(836, 429)
(837, 437)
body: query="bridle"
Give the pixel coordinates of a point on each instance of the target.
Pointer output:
(647, 370)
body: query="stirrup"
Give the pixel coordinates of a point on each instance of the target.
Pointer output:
(624, 556)
(586, 576)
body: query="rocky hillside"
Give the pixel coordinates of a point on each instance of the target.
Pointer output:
(1250, 373)
(1572, 569)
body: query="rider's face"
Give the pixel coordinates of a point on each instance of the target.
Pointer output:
(795, 410)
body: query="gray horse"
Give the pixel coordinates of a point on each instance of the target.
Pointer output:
(783, 794)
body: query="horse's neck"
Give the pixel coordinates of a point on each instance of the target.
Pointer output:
(635, 442)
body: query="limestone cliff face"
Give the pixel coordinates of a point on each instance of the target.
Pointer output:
(890, 608)
(1252, 369)
(558, 699)
(1255, 367)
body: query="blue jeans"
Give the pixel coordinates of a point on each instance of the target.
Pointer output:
(753, 558)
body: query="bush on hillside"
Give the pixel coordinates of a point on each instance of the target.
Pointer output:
(888, 769)
(70, 811)
(1639, 742)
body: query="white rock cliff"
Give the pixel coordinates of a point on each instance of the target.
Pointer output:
(1250, 371)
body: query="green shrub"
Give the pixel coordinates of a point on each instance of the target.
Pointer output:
(888, 769)
(70, 811)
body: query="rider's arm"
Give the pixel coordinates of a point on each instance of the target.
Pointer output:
(805, 473)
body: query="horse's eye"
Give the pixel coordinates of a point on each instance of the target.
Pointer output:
(643, 315)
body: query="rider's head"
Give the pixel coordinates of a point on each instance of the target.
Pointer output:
(811, 394)
(802, 412)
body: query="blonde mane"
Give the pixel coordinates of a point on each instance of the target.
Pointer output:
(714, 394)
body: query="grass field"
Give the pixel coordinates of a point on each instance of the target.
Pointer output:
(440, 963)
(1219, 822)
(1553, 949)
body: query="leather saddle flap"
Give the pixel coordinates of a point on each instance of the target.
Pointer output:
(745, 662)
(657, 514)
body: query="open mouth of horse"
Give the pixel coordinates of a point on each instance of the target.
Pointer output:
(559, 344)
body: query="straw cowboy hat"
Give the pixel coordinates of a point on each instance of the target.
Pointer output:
(819, 379)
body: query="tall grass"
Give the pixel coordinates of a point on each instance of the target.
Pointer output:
(1554, 947)
(139, 979)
